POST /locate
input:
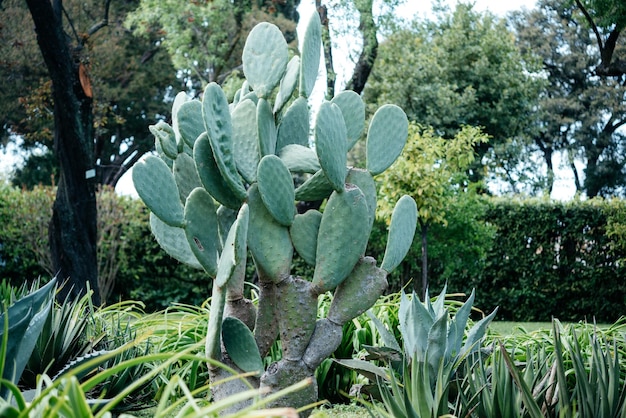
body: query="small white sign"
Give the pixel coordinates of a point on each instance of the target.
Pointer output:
(89, 174)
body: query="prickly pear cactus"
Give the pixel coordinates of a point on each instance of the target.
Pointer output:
(222, 186)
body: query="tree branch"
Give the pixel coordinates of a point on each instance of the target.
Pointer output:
(104, 22)
(368, 30)
(331, 75)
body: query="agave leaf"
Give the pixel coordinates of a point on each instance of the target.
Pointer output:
(456, 329)
(476, 333)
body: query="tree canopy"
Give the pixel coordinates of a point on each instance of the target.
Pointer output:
(462, 68)
(580, 115)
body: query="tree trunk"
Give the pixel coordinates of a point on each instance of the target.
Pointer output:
(368, 29)
(73, 226)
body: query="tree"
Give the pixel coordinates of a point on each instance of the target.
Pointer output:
(461, 69)
(430, 170)
(340, 22)
(607, 19)
(73, 226)
(130, 81)
(580, 115)
(204, 39)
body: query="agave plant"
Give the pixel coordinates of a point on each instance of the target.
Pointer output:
(416, 379)
(22, 322)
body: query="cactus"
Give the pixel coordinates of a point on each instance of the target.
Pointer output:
(224, 184)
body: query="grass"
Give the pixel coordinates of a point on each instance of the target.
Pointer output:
(511, 328)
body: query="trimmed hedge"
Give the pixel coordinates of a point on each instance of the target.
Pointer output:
(535, 259)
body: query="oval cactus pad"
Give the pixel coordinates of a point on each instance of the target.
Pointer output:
(386, 137)
(156, 186)
(265, 57)
(218, 124)
(276, 188)
(330, 144)
(240, 345)
(342, 237)
(201, 229)
(353, 110)
(401, 233)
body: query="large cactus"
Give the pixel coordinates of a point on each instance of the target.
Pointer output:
(222, 185)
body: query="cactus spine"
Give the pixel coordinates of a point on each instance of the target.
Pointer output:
(223, 185)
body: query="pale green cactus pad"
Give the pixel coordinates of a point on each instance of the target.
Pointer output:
(294, 127)
(317, 187)
(386, 137)
(401, 233)
(218, 124)
(156, 186)
(265, 57)
(276, 189)
(164, 134)
(353, 110)
(210, 175)
(266, 128)
(330, 144)
(174, 241)
(310, 57)
(189, 121)
(364, 180)
(235, 246)
(299, 159)
(180, 99)
(240, 345)
(201, 229)
(185, 175)
(304, 230)
(288, 83)
(268, 241)
(342, 237)
(245, 140)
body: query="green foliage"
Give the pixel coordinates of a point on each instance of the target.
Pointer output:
(553, 259)
(22, 322)
(571, 114)
(430, 170)
(129, 78)
(462, 68)
(416, 380)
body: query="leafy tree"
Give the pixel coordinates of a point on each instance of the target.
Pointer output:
(462, 68)
(607, 19)
(430, 170)
(204, 39)
(73, 226)
(580, 114)
(129, 80)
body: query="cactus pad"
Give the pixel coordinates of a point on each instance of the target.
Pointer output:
(266, 128)
(317, 187)
(234, 251)
(201, 229)
(276, 189)
(386, 137)
(353, 110)
(304, 230)
(156, 186)
(210, 175)
(218, 124)
(342, 237)
(189, 121)
(294, 127)
(310, 58)
(401, 233)
(164, 134)
(174, 241)
(330, 144)
(268, 241)
(185, 174)
(245, 141)
(288, 83)
(265, 57)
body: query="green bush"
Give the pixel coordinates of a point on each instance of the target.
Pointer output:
(554, 259)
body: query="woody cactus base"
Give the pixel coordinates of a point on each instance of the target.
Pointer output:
(223, 184)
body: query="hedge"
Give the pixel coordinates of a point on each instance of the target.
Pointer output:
(534, 259)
